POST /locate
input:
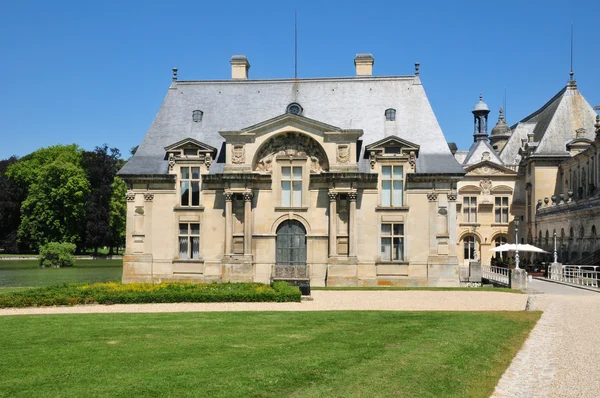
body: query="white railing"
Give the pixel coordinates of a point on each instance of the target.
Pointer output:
(585, 275)
(497, 274)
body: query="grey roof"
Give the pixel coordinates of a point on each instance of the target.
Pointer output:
(501, 129)
(481, 106)
(477, 150)
(350, 103)
(460, 156)
(510, 152)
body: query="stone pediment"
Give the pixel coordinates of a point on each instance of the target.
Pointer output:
(488, 168)
(190, 143)
(291, 122)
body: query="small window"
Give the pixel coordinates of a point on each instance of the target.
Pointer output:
(189, 241)
(392, 242)
(391, 150)
(501, 209)
(470, 209)
(390, 115)
(294, 108)
(190, 152)
(197, 115)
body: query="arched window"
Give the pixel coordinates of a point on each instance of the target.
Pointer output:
(547, 238)
(499, 241)
(294, 108)
(593, 238)
(390, 114)
(539, 242)
(197, 115)
(469, 248)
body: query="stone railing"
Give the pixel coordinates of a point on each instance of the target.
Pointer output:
(496, 274)
(585, 275)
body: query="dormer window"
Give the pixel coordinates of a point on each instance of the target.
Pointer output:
(197, 115)
(391, 150)
(190, 152)
(294, 108)
(390, 114)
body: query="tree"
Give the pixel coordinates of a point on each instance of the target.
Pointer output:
(54, 209)
(27, 170)
(101, 166)
(12, 195)
(118, 213)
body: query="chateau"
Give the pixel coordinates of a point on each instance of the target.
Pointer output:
(333, 181)
(349, 182)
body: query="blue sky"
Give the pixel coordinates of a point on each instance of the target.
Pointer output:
(96, 72)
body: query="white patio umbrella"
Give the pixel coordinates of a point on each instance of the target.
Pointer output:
(522, 248)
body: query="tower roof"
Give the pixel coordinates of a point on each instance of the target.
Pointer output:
(501, 129)
(481, 106)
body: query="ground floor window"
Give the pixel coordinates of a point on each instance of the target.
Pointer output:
(469, 248)
(189, 241)
(499, 241)
(392, 242)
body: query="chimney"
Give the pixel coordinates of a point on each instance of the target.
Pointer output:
(364, 64)
(239, 67)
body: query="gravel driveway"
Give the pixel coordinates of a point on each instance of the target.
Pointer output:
(323, 300)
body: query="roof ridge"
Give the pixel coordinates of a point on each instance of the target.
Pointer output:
(308, 79)
(546, 105)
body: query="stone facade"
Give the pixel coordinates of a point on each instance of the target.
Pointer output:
(338, 182)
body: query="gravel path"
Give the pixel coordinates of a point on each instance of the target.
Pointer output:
(561, 356)
(322, 301)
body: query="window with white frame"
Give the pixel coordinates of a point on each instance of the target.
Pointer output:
(190, 186)
(501, 209)
(391, 186)
(392, 242)
(470, 209)
(291, 186)
(189, 241)
(469, 248)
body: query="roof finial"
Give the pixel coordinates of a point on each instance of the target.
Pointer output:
(501, 116)
(417, 66)
(480, 97)
(175, 74)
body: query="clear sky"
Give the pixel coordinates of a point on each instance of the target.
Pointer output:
(95, 72)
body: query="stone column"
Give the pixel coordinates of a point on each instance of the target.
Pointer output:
(228, 222)
(433, 205)
(248, 223)
(352, 233)
(452, 233)
(332, 224)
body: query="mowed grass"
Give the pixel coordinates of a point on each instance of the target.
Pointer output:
(27, 273)
(260, 354)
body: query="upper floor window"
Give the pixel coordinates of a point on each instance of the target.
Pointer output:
(190, 186)
(190, 152)
(291, 186)
(470, 209)
(391, 185)
(197, 115)
(501, 209)
(390, 115)
(392, 242)
(189, 241)
(294, 108)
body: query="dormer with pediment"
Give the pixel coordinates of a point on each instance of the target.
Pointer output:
(190, 151)
(488, 168)
(393, 149)
(293, 138)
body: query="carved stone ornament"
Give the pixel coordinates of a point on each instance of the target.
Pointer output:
(412, 159)
(248, 196)
(432, 196)
(372, 159)
(208, 161)
(228, 196)
(148, 197)
(130, 195)
(171, 161)
(332, 196)
(485, 170)
(352, 196)
(452, 196)
(291, 145)
(486, 186)
(343, 154)
(237, 154)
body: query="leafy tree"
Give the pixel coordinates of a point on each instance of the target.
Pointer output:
(27, 170)
(12, 195)
(54, 209)
(118, 213)
(101, 166)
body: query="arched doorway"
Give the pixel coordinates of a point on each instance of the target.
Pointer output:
(291, 244)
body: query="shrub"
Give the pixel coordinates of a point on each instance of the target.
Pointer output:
(135, 293)
(57, 254)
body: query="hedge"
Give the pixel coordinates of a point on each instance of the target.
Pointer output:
(137, 293)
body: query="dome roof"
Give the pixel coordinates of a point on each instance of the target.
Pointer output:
(481, 106)
(501, 128)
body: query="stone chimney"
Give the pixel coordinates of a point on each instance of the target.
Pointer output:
(364, 64)
(239, 67)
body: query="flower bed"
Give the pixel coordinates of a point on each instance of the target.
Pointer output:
(136, 293)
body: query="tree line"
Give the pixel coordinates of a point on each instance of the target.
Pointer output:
(62, 194)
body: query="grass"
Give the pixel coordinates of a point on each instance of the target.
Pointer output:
(262, 354)
(467, 289)
(27, 273)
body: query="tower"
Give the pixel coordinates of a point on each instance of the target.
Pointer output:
(500, 133)
(480, 121)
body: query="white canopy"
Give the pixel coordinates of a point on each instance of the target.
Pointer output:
(522, 248)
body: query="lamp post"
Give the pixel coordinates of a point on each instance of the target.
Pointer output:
(516, 222)
(555, 253)
(475, 242)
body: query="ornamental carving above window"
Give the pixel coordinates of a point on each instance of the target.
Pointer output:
(291, 145)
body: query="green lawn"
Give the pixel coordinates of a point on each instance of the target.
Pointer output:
(427, 288)
(27, 273)
(264, 354)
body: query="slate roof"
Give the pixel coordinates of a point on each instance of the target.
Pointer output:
(350, 103)
(553, 125)
(476, 151)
